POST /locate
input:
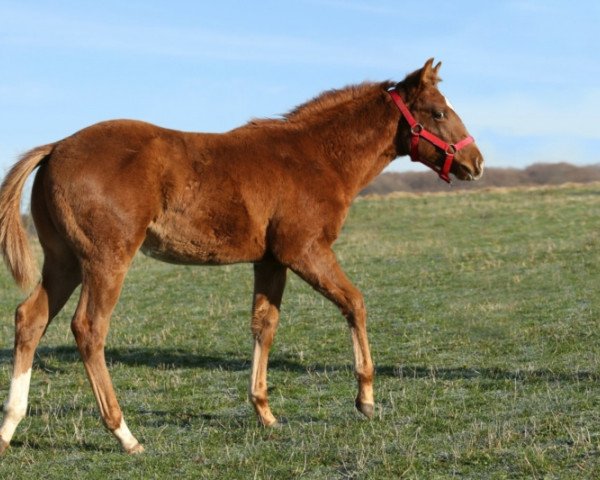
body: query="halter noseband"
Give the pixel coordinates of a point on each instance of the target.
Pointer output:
(417, 131)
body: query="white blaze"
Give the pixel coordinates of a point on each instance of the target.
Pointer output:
(449, 104)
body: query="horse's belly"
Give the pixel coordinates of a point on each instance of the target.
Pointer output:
(184, 242)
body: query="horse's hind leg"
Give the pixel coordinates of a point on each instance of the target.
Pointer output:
(60, 276)
(99, 294)
(269, 282)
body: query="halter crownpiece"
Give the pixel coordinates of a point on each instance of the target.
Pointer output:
(417, 131)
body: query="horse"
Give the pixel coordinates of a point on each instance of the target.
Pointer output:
(273, 192)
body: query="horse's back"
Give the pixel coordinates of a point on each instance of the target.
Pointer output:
(126, 184)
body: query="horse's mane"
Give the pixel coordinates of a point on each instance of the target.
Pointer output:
(332, 98)
(324, 102)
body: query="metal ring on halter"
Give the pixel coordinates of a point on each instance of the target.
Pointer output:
(416, 129)
(451, 150)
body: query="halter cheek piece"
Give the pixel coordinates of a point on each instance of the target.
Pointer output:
(417, 131)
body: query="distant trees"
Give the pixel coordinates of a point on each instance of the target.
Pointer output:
(536, 174)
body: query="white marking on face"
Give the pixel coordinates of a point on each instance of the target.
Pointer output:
(449, 104)
(15, 407)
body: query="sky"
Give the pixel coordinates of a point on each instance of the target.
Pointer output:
(524, 75)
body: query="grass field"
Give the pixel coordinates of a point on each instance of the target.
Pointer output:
(483, 320)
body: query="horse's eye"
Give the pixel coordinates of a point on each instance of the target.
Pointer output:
(438, 115)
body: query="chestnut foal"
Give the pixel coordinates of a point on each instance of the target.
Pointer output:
(273, 192)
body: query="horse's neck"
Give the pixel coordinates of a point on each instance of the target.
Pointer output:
(360, 144)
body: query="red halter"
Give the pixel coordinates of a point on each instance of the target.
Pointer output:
(417, 131)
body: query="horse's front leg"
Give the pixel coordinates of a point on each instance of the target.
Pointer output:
(269, 283)
(319, 268)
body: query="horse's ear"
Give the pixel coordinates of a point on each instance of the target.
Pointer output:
(424, 77)
(429, 74)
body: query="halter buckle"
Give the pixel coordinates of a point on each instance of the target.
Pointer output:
(451, 149)
(416, 129)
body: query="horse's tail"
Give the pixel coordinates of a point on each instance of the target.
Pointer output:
(13, 237)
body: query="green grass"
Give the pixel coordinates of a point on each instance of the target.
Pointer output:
(483, 321)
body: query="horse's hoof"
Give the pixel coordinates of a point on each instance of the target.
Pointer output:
(279, 423)
(137, 448)
(3, 446)
(367, 409)
(271, 423)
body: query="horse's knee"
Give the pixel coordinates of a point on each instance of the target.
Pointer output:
(78, 328)
(87, 340)
(266, 336)
(265, 318)
(355, 311)
(263, 329)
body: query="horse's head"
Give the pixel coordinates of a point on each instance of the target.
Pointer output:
(430, 130)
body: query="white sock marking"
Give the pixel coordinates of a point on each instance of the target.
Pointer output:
(128, 441)
(15, 407)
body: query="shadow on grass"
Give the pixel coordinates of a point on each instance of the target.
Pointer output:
(47, 446)
(167, 359)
